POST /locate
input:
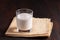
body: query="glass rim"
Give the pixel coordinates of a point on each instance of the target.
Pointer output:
(24, 9)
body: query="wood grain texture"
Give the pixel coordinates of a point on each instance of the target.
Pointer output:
(41, 8)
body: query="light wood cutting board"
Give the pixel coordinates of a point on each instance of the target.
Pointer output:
(40, 27)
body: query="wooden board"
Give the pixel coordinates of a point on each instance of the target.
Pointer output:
(40, 27)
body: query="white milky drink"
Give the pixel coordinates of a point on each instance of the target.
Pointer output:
(24, 21)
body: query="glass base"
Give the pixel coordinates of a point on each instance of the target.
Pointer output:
(24, 30)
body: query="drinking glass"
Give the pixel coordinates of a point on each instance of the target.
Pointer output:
(24, 19)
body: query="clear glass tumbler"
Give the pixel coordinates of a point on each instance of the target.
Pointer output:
(24, 19)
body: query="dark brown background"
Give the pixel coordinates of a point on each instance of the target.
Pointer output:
(41, 8)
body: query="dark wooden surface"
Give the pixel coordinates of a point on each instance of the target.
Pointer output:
(42, 8)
